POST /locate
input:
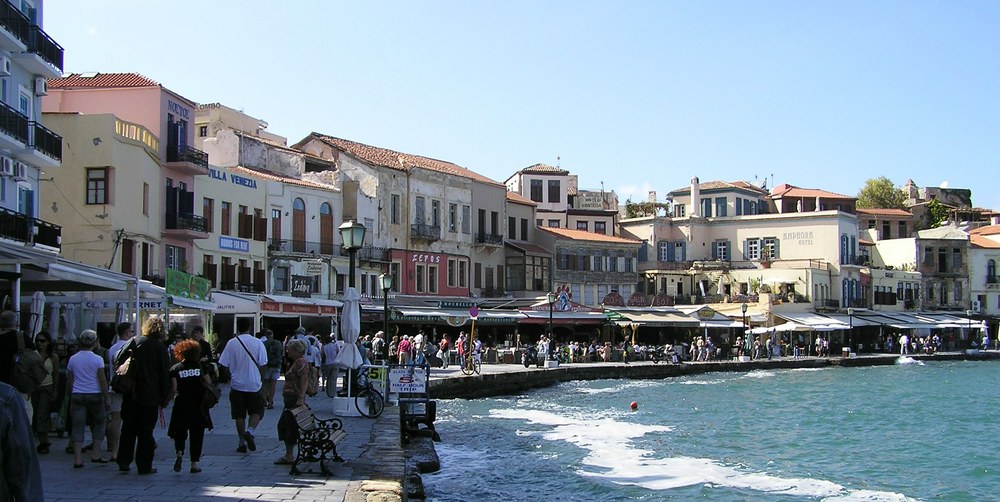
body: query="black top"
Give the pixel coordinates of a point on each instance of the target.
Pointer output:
(153, 366)
(8, 349)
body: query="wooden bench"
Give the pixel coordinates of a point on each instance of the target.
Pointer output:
(317, 440)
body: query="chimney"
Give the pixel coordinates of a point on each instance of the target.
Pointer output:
(695, 197)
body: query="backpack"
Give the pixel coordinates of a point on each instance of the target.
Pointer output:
(125, 375)
(274, 352)
(28, 369)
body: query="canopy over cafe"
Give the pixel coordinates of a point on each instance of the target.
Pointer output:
(493, 327)
(570, 321)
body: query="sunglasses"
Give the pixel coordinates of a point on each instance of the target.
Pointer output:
(41, 341)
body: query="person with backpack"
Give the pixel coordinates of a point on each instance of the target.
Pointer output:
(140, 409)
(275, 353)
(125, 333)
(9, 349)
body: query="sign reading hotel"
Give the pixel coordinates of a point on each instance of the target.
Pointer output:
(234, 244)
(803, 238)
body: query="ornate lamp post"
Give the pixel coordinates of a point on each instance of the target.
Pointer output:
(385, 282)
(968, 315)
(352, 234)
(551, 297)
(850, 329)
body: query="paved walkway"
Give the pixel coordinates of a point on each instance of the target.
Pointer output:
(230, 476)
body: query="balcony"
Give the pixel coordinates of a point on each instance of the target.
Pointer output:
(242, 287)
(47, 49)
(186, 225)
(827, 304)
(374, 254)
(421, 231)
(187, 159)
(14, 28)
(992, 281)
(859, 260)
(44, 147)
(285, 246)
(484, 239)
(14, 128)
(22, 228)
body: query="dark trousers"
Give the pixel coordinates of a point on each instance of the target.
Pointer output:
(197, 441)
(136, 440)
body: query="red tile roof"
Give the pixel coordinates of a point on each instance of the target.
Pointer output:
(580, 235)
(267, 175)
(714, 185)
(401, 161)
(543, 169)
(102, 80)
(987, 230)
(884, 212)
(520, 199)
(978, 241)
(786, 190)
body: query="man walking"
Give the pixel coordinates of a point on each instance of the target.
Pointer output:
(125, 333)
(245, 356)
(141, 409)
(275, 353)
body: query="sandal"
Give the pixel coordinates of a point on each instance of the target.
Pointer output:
(282, 461)
(99, 460)
(78, 466)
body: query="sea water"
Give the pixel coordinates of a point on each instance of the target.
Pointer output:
(910, 431)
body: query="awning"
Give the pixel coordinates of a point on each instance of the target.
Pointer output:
(230, 302)
(654, 318)
(814, 321)
(190, 303)
(64, 275)
(857, 320)
(529, 249)
(562, 318)
(720, 324)
(281, 304)
(454, 317)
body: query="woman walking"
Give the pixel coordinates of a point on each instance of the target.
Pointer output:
(294, 395)
(87, 385)
(188, 381)
(45, 394)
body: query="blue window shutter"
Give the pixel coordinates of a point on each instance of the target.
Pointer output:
(715, 250)
(683, 252)
(746, 244)
(777, 253)
(670, 251)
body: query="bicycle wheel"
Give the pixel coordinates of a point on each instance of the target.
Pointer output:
(467, 368)
(369, 403)
(478, 366)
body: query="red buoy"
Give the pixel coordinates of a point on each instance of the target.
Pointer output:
(634, 406)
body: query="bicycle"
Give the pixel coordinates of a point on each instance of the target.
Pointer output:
(472, 364)
(368, 401)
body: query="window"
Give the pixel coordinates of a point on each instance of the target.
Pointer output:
(662, 250)
(207, 212)
(902, 230)
(739, 206)
(202, 131)
(227, 209)
(452, 272)
(553, 223)
(958, 292)
(679, 252)
(453, 217)
(554, 192)
(435, 213)
(583, 225)
(175, 258)
(538, 222)
(720, 206)
(97, 185)
(524, 229)
(956, 258)
(512, 228)
(678, 210)
(600, 227)
(421, 278)
(463, 273)
(536, 190)
(145, 200)
(394, 272)
(394, 209)
(770, 248)
(720, 250)
(280, 277)
(418, 210)
(466, 219)
(494, 223)
(753, 249)
(991, 271)
(432, 279)
(886, 229)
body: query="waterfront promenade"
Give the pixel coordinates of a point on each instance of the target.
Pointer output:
(375, 461)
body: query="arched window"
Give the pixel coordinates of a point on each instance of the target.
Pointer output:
(326, 229)
(299, 225)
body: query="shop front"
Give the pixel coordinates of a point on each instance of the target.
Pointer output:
(284, 314)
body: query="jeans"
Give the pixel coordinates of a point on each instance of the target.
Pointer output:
(137, 440)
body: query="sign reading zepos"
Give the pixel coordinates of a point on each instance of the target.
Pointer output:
(406, 380)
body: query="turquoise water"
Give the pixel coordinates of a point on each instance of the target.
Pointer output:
(906, 432)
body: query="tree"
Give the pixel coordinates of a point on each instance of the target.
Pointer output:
(881, 193)
(938, 213)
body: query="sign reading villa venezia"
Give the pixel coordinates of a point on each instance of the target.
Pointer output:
(804, 237)
(233, 178)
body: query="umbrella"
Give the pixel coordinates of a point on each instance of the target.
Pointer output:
(37, 312)
(54, 319)
(350, 328)
(120, 313)
(70, 320)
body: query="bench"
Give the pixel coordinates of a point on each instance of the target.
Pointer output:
(317, 440)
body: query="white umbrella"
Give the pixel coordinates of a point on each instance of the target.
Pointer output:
(70, 320)
(120, 313)
(54, 319)
(37, 312)
(350, 328)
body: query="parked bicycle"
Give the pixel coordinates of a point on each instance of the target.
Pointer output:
(472, 363)
(369, 401)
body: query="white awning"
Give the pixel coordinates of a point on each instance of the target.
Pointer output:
(190, 303)
(720, 324)
(230, 302)
(322, 302)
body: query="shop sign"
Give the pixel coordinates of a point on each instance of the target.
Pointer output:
(186, 285)
(302, 286)
(234, 244)
(312, 267)
(407, 380)
(455, 305)
(425, 258)
(143, 304)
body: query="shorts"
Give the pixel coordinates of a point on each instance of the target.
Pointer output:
(271, 374)
(115, 400)
(245, 403)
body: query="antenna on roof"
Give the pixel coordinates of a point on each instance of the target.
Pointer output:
(558, 160)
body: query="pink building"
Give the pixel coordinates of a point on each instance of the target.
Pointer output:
(170, 117)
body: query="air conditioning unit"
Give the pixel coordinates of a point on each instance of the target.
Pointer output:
(6, 167)
(20, 171)
(5, 65)
(41, 86)
(976, 306)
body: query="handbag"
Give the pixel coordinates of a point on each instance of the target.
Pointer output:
(210, 397)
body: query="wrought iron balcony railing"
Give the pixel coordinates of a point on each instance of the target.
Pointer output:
(185, 221)
(15, 22)
(13, 123)
(425, 232)
(42, 44)
(489, 239)
(183, 153)
(46, 141)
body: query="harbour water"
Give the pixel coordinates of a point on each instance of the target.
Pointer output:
(911, 431)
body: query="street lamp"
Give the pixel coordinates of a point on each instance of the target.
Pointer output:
(850, 331)
(743, 308)
(551, 297)
(352, 234)
(968, 315)
(385, 282)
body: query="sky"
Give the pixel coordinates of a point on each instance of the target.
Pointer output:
(631, 95)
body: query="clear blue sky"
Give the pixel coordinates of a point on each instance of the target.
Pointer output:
(638, 95)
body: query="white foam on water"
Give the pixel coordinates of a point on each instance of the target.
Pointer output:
(758, 374)
(624, 385)
(699, 382)
(610, 451)
(809, 369)
(909, 360)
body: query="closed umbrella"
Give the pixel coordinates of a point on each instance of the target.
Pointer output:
(37, 312)
(350, 327)
(120, 313)
(70, 320)
(54, 319)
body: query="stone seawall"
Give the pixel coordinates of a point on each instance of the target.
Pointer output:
(503, 383)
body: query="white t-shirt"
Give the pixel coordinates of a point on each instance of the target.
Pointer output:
(244, 371)
(113, 354)
(330, 351)
(85, 365)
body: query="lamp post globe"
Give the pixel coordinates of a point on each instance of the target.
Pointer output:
(850, 329)
(551, 297)
(352, 235)
(385, 282)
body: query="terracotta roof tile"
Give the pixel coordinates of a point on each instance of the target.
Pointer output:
(520, 199)
(794, 191)
(102, 80)
(978, 241)
(267, 175)
(543, 169)
(580, 235)
(716, 184)
(987, 230)
(884, 212)
(401, 161)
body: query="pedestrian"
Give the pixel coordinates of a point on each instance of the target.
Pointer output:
(404, 350)
(45, 394)
(275, 352)
(125, 333)
(293, 395)
(198, 335)
(9, 348)
(188, 381)
(330, 370)
(20, 474)
(418, 348)
(141, 409)
(244, 356)
(87, 386)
